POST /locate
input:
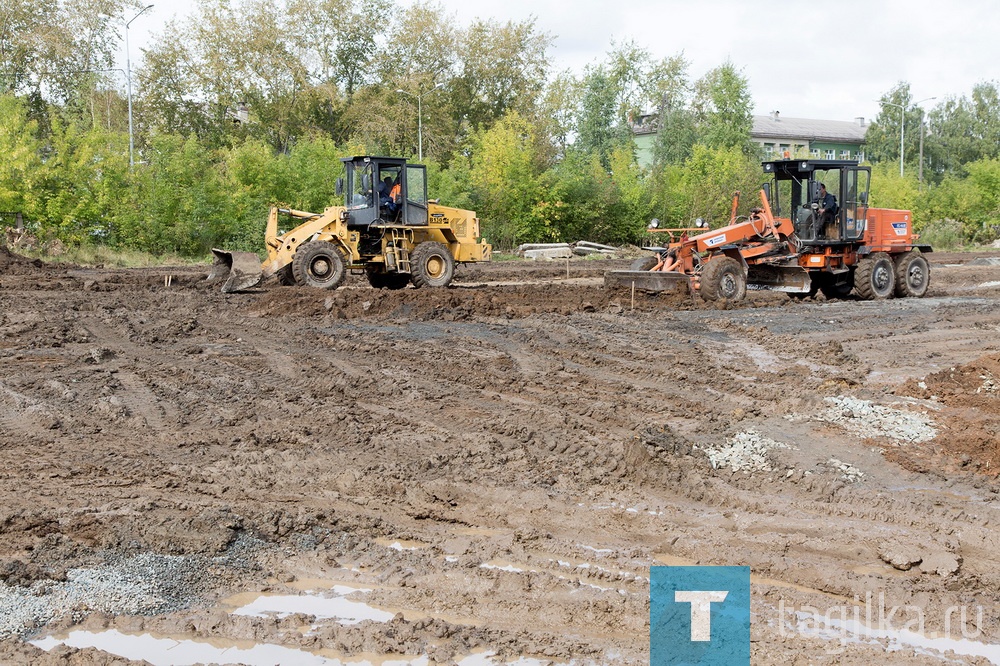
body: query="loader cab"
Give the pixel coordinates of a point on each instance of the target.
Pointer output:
(796, 188)
(383, 191)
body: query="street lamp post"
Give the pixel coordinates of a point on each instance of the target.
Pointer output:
(902, 129)
(420, 117)
(128, 76)
(902, 125)
(920, 168)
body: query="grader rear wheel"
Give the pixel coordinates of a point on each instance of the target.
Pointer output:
(723, 279)
(913, 275)
(432, 265)
(875, 277)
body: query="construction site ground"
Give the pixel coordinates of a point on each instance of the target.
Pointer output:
(486, 473)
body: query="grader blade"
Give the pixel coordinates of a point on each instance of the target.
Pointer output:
(654, 281)
(790, 279)
(240, 270)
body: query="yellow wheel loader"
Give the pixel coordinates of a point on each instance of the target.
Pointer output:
(387, 228)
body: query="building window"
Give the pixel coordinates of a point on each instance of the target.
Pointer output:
(830, 153)
(859, 156)
(845, 154)
(768, 149)
(815, 153)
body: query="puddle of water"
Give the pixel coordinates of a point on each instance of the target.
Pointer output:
(166, 651)
(186, 652)
(402, 544)
(851, 631)
(502, 566)
(336, 606)
(599, 551)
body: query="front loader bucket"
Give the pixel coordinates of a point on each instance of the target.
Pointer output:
(655, 281)
(241, 270)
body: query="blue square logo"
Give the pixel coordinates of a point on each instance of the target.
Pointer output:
(699, 616)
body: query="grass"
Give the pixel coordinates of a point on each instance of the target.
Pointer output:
(100, 255)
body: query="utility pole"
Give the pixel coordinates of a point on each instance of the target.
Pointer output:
(128, 76)
(420, 117)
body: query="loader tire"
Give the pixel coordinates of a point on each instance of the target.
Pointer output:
(286, 277)
(723, 279)
(432, 265)
(381, 280)
(875, 277)
(644, 263)
(319, 264)
(913, 275)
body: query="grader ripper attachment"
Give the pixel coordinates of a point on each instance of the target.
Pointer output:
(387, 228)
(835, 249)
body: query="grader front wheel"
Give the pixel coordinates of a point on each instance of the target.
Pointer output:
(723, 279)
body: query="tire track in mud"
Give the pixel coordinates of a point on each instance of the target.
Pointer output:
(555, 445)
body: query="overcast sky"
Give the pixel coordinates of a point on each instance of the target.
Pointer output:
(830, 60)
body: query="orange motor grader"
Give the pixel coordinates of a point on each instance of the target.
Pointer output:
(842, 249)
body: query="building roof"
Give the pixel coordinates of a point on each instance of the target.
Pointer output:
(774, 126)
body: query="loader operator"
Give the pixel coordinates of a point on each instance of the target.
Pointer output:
(384, 187)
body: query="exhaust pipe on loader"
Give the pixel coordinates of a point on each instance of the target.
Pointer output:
(241, 270)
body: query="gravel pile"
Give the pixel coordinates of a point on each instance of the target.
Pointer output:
(144, 584)
(869, 421)
(848, 472)
(746, 452)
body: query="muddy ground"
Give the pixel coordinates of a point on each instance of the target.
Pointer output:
(498, 464)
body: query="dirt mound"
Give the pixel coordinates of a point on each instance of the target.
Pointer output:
(511, 302)
(971, 394)
(12, 263)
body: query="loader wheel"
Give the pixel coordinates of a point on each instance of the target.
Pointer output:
(875, 277)
(319, 264)
(432, 265)
(644, 263)
(286, 277)
(382, 280)
(913, 275)
(723, 279)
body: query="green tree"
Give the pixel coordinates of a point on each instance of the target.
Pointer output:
(501, 68)
(506, 182)
(21, 147)
(723, 108)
